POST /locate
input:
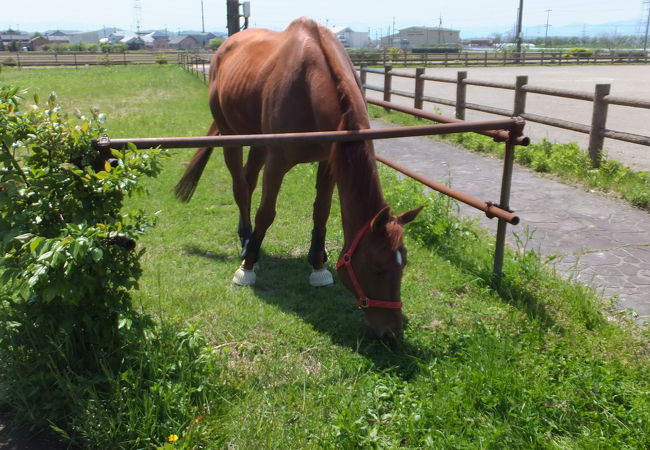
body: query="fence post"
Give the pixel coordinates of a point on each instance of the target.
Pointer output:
(485, 58)
(519, 107)
(426, 59)
(18, 60)
(419, 88)
(461, 94)
(363, 75)
(446, 58)
(505, 56)
(504, 203)
(388, 82)
(598, 121)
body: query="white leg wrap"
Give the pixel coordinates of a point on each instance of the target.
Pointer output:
(244, 277)
(321, 277)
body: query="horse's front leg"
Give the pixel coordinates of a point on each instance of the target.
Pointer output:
(317, 255)
(271, 182)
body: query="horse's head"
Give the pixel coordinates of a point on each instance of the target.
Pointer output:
(371, 268)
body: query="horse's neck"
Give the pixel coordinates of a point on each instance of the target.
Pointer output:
(359, 190)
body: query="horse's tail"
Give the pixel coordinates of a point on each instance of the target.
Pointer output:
(187, 184)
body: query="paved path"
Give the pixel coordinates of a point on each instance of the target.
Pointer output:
(601, 242)
(626, 80)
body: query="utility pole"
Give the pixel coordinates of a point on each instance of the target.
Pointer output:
(519, 37)
(202, 18)
(548, 13)
(232, 13)
(647, 25)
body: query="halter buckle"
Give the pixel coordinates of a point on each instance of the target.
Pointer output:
(363, 303)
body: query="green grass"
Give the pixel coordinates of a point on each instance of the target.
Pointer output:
(534, 363)
(568, 161)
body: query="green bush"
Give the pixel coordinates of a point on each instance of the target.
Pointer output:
(215, 43)
(64, 280)
(580, 52)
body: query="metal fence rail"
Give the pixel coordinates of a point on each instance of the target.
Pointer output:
(508, 130)
(600, 99)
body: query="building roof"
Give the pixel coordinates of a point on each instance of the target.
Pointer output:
(427, 29)
(179, 39)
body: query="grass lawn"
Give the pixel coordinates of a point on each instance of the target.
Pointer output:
(536, 363)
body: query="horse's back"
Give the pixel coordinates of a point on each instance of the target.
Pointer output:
(272, 82)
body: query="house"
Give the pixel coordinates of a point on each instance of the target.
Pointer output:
(350, 38)
(203, 38)
(156, 40)
(13, 40)
(413, 37)
(39, 42)
(186, 42)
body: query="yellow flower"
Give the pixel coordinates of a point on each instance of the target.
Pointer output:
(172, 438)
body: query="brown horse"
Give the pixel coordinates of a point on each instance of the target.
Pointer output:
(302, 80)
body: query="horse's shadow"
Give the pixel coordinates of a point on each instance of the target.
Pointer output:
(283, 282)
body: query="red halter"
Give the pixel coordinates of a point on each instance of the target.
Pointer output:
(346, 260)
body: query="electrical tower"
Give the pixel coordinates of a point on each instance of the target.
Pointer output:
(137, 14)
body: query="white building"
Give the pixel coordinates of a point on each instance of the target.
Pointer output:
(350, 38)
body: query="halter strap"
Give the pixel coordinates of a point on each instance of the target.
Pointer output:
(346, 260)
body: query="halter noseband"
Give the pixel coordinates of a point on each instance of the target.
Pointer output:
(346, 260)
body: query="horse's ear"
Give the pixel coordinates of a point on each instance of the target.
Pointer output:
(409, 216)
(378, 223)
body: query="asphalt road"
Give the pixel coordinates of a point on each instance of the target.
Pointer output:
(626, 80)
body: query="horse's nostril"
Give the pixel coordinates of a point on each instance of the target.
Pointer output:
(113, 162)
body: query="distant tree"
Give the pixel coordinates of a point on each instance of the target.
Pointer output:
(215, 43)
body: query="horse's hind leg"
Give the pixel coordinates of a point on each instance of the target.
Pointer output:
(272, 180)
(317, 256)
(240, 190)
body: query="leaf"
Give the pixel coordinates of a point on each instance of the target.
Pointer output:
(24, 237)
(97, 254)
(34, 244)
(107, 166)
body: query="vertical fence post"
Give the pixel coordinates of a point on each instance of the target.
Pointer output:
(461, 94)
(426, 59)
(505, 56)
(520, 96)
(388, 82)
(419, 88)
(598, 121)
(485, 58)
(446, 58)
(18, 60)
(504, 203)
(363, 75)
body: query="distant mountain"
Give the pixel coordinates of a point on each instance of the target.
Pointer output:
(623, 27)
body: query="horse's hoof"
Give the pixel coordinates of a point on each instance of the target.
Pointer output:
(244, 277)
(321, 277)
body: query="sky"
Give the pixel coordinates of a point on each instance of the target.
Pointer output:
(471, 17)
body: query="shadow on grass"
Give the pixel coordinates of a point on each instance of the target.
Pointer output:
(193, 250)
(283, 282)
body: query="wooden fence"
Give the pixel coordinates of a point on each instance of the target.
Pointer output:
(491, 58)
(364, 57)
(600, 98)
(31, 59)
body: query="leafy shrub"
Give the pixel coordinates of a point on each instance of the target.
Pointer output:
(580, 52)
(161, 58)
(215, 43)
(8, 62)
(64, 281)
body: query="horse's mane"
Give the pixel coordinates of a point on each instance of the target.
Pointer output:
(352, 162)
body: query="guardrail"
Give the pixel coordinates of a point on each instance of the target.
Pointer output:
(600, 98)
(494, 58)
